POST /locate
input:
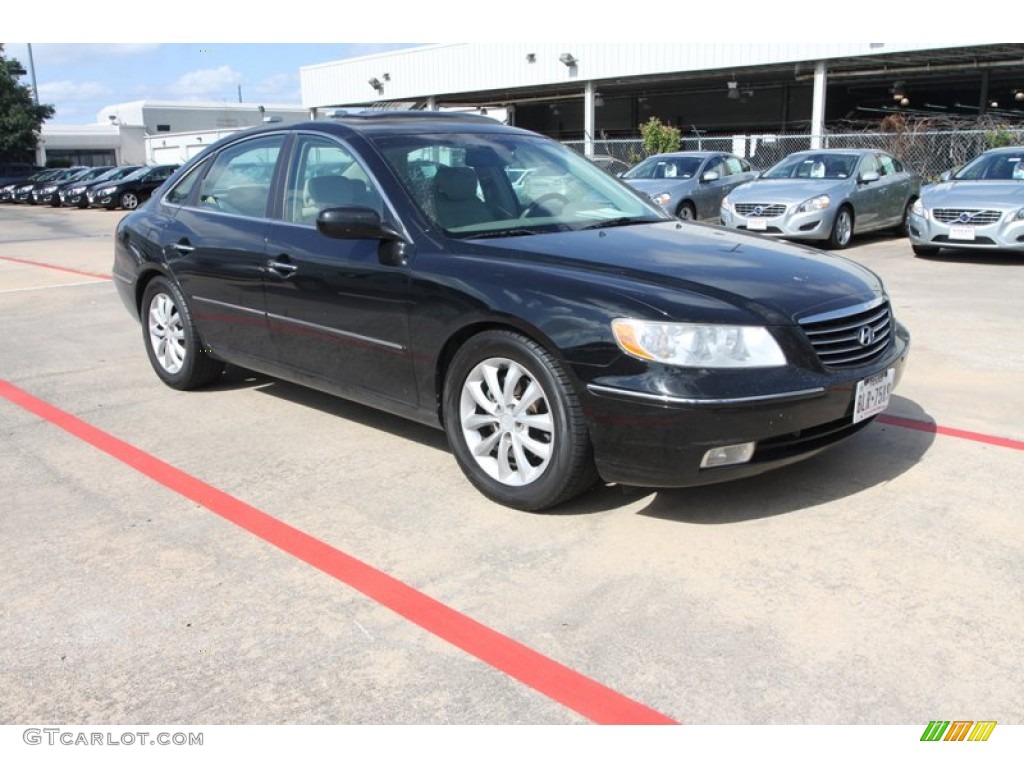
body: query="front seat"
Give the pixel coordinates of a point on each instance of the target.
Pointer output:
(455, 201)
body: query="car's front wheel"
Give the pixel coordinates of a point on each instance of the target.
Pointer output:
(842, 229)
(129, 201)
(515, 424)
(171, 340)
(686, 211)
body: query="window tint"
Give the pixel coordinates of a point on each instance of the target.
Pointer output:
(183, 189)
(239, 180)
(732, 165)
(325, 174)
(887, 165)
(870, 163)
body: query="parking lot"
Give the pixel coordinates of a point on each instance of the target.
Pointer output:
(260, 553)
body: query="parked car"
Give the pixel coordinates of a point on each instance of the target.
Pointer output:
(979, 207)
(76, 192)
(605, 339)
(8, 190)
(12, 172)
(826, 195)
(25, 192)
(131, 191)
(690, 185)
(51, 192)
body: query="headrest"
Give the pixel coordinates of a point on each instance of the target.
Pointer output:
(456, 183)
(333, 189)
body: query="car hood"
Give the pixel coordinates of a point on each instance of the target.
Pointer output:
(778, 282)
(658, 186)
(787, 190)
(974, 194)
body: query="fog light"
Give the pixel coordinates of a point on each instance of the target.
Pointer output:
(728, 454)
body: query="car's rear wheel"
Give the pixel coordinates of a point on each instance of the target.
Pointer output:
(172, 343)
(842, 229)
(686, 211)
(129, 201)
(515, 424)
(925, 250)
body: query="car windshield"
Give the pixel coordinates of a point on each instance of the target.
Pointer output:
(994, 166)
(138, 173)
(813, 166)
(665, 168)
(116, 173)
(494, 185)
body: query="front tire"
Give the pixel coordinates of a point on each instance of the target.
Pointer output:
(686, 212)
(842, 229)
(129, 201)
(171, 340)
(515, 424)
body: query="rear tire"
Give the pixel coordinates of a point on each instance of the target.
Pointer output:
(515, 424)
(172, 343)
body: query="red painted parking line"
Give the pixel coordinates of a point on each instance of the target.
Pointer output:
(566, 686)
(55, 266)
(927, 426)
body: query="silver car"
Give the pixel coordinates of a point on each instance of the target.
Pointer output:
(690, 185)
(980, 207)
(826, 195)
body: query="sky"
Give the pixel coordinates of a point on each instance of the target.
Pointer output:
(80, 79)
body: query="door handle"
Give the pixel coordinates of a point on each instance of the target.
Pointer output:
(283, 266)
(183, 246)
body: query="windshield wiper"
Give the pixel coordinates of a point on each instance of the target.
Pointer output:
(622, 221)
(498, 233)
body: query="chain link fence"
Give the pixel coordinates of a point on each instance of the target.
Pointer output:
(928, 152)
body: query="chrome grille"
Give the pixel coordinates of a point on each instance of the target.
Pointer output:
(843, 339)
(768, 211)
(972, 217)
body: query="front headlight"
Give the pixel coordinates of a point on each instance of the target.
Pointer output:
(106, 191)
(814, 204)
(76, 191)
(698, 346)
(1020, 215)
(48, 190)
(727, 204)
(918, 209)
(662, 198)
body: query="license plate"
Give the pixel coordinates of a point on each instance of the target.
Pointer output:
(758, 224)
(873, 395)
(961, 233)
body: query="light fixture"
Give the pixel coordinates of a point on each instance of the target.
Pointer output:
(376, 84)
(598, 101)
(899, 92)
(387, 76)
(734, 89)
(531, 57)
(1018, 95)
(568, 59)
(994, 104)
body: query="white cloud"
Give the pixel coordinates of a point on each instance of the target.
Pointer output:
(281, 88)
(68, 90)
(206, 83)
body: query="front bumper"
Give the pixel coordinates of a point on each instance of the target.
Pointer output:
(790, 224)
(643, 439)
(1005, 234)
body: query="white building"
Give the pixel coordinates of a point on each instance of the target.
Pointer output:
(132, 132)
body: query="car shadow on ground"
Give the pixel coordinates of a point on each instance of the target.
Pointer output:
(874, 456)
(989, 258)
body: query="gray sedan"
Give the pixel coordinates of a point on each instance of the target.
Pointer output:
(980, 207)
(826, 195)
(690, 185)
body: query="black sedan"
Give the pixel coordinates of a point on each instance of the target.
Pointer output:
(131, 191)
(9, 190)
(556, 345)
(51, 193)
(76, 193)
(26, 193)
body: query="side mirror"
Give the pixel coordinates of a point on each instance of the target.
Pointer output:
(354, 223)
(946, 175)
(710, 176)
(869, 176)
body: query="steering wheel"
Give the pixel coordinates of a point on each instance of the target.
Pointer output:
(540, 206)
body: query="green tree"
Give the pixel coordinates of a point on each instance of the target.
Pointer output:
(659, 137)
(20, 117)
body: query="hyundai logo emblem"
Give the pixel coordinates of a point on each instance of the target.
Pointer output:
(866, 336)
